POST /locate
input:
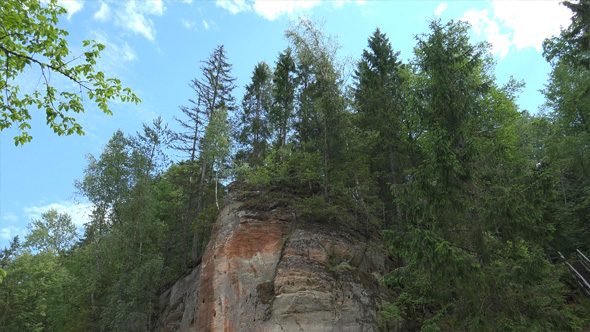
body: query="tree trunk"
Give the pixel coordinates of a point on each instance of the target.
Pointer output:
(326, 159)
(216, 198)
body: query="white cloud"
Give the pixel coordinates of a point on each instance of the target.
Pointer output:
(194, 25)
(440, 9)
(269, 9)
(274, 9)
(134, 16)
(114, 55)
(80, 213)
(72, 6)
(518, 24)
(532, 21)
(340, 3)
(10, 232)
(103, 13)
(10, 217)
(156, 7)
(128, 53)
(188, 24)
(234, 6)
(483, 25)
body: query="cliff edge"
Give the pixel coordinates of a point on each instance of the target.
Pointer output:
(267, 268)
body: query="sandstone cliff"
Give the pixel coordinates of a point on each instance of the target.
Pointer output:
(266, 268)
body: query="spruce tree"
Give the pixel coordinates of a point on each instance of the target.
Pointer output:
(284, 85)
(321, 110)
(578, 33)
(214, 94)
(472, 214)
(256, 107)
(567, 149)
(383, 115)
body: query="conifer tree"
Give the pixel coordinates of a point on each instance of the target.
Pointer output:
(383, 115)
(256, 106)
(321, 107)
(188, 142)
(578, 33)
(123, 239)
(214, 94)
(284, 85)
(473, 215)
(567, 151)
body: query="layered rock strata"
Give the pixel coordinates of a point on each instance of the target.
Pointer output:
(266, 269)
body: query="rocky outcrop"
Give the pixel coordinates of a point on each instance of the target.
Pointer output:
(267, 269)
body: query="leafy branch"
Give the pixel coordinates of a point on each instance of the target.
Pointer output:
(30, 29)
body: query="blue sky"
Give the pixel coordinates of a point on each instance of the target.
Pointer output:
(155, 48)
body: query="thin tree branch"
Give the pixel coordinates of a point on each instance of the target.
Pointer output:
(43, 65)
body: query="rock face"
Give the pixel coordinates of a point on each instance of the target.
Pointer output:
(266, 269)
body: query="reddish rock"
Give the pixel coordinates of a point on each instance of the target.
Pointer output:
(264, 270)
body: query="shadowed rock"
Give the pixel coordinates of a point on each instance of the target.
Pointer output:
(265, 269)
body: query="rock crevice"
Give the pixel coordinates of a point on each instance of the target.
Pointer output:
(265, 270)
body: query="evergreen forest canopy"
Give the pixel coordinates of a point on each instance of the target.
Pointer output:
(472, 195)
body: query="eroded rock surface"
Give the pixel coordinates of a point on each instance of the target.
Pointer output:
(265, 269)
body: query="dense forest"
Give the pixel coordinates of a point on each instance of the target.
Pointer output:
(472, 195)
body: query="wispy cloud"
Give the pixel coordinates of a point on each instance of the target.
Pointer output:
(196, 25)
(128, 52)
(440, 9)
(10, 232)
(72, 6)
(341, 3)
(268, 9)
(518, 24)
(135, 16)
(132, 15)
(189, 24)
(10, 217)
(104, 13)
(115, 54)
(234, 6)
(79, 212)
